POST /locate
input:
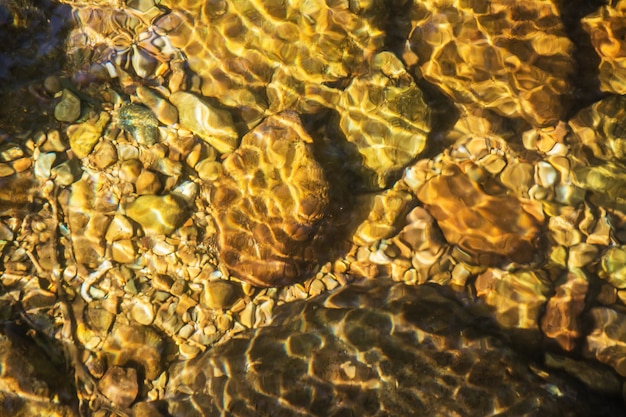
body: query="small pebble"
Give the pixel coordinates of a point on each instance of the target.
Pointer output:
(120, 386)
(105, 155)
(142, 312)
(219, 294)
(68, 109)
(164, 110)
(84, 136)
(52, 84)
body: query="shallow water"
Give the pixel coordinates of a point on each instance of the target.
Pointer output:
(176, 176)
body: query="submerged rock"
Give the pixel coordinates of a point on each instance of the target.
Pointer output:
(606, 341)
(518, 298)
(140, 122)
(236, 47)
(606, 27)
(614, 267)
(601, 128)
(158, 214)
(383, 113)
(508, 56)
(606, 183)
(84, 136)
(562, 318)
(488, 227)
(68, 109)
(213, 125)
(269, 204)
(372, 349)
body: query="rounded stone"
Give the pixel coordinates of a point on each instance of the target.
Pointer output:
(119, 228)
(52, 84)
(67, 173)
(68, 109)
(130, 170)
(6, 170)
(105, 155)
(120, 386)
(209, 170)
(488, 227)
(54, 142)
(163, 110)
(43, 165)
(98, 319)
(614, 267)
(219, 294)
(123, 251)
(148, 183)
(485, 55)
(384, 115)
(158, 214)
(142, 312)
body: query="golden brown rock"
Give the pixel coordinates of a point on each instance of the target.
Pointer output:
(486, 226)
(606, 183)
(509, 56)
(331, 343)
(614, 267)
(601, 127)
(219, 294)
(213, 125)
(127, 345)
(87, 221)
(83, 137)
(162, 109)
(517, 297)
(238, 47)
(158, 214)
(120, 385)
(383, 113)
(269, 204)
(607, 341)
(561, 320)
(605, 27)
(388, 209)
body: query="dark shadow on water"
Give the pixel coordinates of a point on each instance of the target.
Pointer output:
(347, 180)
(586, 84)
(32, 35)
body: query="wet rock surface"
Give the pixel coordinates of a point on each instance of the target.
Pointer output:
(605, 26)
(333, 343)
(484, 225)
(507, 56)
(270, 204)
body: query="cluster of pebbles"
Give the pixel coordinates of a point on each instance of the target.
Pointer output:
(201, 164)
